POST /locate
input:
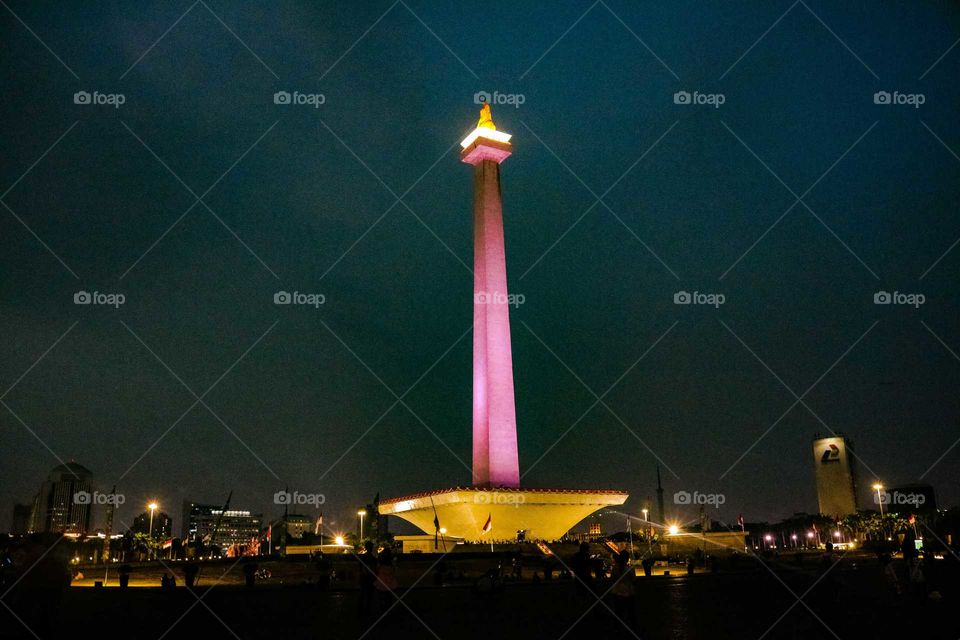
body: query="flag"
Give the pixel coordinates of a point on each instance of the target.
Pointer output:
(912, 519)
(270, 531)
(488, 525)
(318, 526)
(740, 521)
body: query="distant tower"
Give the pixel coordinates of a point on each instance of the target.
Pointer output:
(835, 476)
(660, 516)
(63, 503)
(495, 459)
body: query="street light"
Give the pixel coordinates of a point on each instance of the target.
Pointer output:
(673, 529)
(153, 506)
(361, 513)
(878, 487)
(645, 514)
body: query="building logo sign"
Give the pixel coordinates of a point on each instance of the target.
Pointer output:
(830, 454)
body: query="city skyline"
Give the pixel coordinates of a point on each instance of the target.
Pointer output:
(799, 199)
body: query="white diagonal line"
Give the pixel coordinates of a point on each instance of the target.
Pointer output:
(398, 199)
(395, 403)
(37, 361)
(957, 358)
(30, 568)
(799, 399)
(42, 156)
(388, 210)
(598, 599)
(793, 393)
(600, 400)
(799, 199)
(199, 199)
(937, 61)
(239, 39)
(40, 40)
(464, 64)
(940, 140)
(597, 401)
(598, 199)
(20, 620)
(40, 240)
(839, 39)
(36, 437)
(840, 240)
(750, 48)
(198, 401)
(640, 40)
(562, 36)
(157, 41)
(399, 399)
(357, 41)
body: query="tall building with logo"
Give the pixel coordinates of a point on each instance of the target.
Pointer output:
(63, 503)
(835, 474)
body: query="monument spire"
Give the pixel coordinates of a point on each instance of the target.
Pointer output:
(495, 458)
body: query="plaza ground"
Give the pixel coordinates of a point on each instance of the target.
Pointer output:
(743, 600)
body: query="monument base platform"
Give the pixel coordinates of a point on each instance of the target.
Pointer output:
(541, 514)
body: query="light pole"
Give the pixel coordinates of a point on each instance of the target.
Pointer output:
(879, 487)
(152, 507)
(361, 513)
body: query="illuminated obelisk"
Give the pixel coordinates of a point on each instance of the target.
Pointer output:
(495, 459)
(494, 507)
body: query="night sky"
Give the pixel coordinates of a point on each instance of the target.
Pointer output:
(691, 198)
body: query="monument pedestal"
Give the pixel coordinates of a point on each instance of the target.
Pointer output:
(542, 514)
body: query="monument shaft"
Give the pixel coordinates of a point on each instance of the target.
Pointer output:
(495, 458)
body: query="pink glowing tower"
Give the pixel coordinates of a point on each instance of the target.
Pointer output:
(495, 460)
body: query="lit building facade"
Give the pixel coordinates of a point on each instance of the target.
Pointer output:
(213, 525)
(835, 474)
(63, 503)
